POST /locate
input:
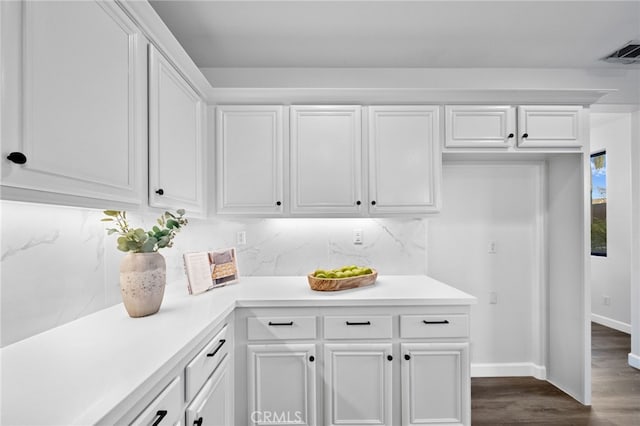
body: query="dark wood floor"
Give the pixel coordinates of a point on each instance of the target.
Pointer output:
(525, 400)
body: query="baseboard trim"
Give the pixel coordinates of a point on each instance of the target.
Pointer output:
(509, 369)
(611, 323)
(634, 360)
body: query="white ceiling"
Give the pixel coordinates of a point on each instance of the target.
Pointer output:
(399, 34)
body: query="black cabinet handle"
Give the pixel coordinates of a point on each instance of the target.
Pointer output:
(358, 203)
(525, 135)
(511, 135)
(160, 191)
(359, 323)
(17, 157)
(436, 322)
(373, 203)
(407, 357)
(215, 351)
(198, 422)
(312, 358)
(161, 414)
(278, 203)
(275, 324)
(389, 358)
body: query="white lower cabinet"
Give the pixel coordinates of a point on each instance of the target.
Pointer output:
(165, 409)
(213, 406)
(435, 379)
(358, 386)
(281, 384)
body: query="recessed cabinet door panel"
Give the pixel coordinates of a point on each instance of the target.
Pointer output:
(404, 160)
(83, 102)
(358, 387)
(176, 114)
(469, 126)
(214, 402)
(549, 126)
(325, 160)
(282, 384)
(249, 160)
(435, 383)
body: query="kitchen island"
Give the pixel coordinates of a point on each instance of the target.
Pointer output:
(108, 368)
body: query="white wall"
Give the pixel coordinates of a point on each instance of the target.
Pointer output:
(485, 202)
(58, 264)
(634, 356)
(611, 275)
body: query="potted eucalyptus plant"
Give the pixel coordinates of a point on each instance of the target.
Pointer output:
(143, 270)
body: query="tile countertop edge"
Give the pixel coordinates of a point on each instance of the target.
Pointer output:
(114, 377)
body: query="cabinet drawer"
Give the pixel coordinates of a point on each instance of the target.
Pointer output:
(358, 327)
(203, 364)
(165, 409)
(281, 328)
(416, 326)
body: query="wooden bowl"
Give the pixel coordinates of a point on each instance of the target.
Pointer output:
(334, 284)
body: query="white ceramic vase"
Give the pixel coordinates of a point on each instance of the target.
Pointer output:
(143, 277)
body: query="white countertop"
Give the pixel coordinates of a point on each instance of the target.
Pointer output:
(76, 374)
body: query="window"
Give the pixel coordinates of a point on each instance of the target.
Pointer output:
(599, 204)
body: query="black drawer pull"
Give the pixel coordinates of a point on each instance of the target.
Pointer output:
(389, 358)
(161, 414)
(525, 135)
(436, 322)
(198, 422)
(407, 357)
(359, 323)
(275, 324)
(215, 351)
(312, 358)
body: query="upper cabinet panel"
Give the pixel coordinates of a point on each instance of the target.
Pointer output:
(549, 126)
(326, 160)
(249, 160)
(176, 152)
(404, 159)
(83, 105)
(469, 126)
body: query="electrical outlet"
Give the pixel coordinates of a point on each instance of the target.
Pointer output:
(357, 236)
(493, 298)
(241, 238)
(492, 247)
(606, 300)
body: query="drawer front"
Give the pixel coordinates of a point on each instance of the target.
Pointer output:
(417, 326)
(203, 364)
(166, 409)
(281, 328)
(358, 327)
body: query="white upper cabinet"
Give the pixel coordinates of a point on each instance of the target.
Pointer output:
(249, 160)
(326, 160)
(176, 151)
(549, 126)
(469, 126)
(79, 126)
(404, 159)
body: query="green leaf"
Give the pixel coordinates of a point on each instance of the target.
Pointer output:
(156, 229)
(171, 223)
(133, 245)
(111, 231)
(140, 234)
(111, 212)
(106, 219)
(181, 212)
(148, 245)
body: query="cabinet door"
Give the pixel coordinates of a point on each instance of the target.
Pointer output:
(436, 386)
(176, 115)
(326, 160)
(404, 159)
(282, 384)
(358, 387)
(249, 160)
(213, 405)
(470, 126)
(82, 124)
(549, 126)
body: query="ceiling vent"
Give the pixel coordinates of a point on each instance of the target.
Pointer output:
(627, 54)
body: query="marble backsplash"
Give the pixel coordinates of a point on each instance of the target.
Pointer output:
(58, 264)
